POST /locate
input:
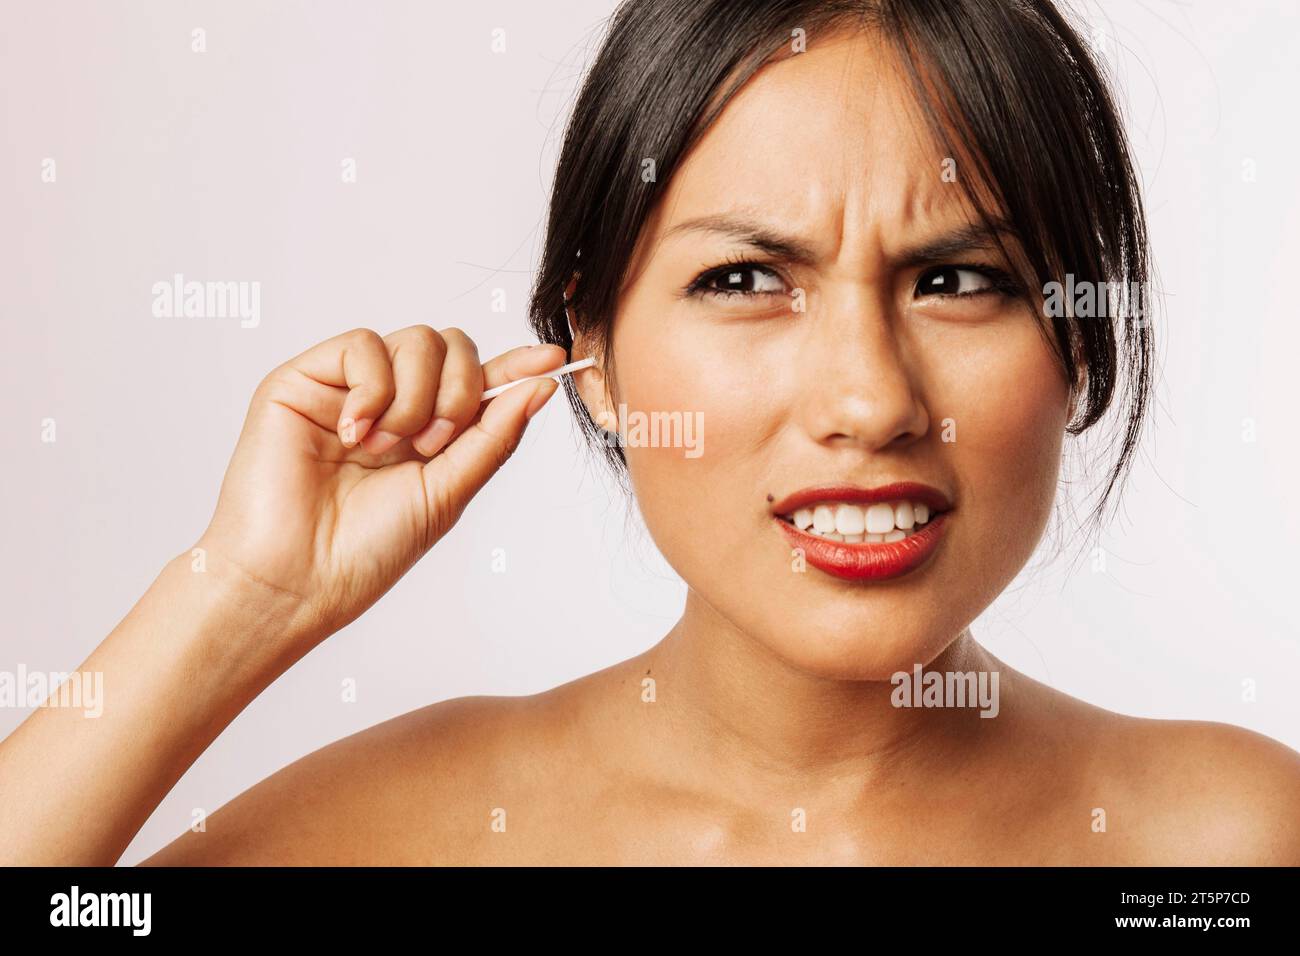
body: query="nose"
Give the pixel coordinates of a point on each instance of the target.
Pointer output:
(860, 388)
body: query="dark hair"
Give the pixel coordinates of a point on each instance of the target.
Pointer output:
(1033, 118)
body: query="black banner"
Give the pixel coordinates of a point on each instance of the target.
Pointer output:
(334, 904)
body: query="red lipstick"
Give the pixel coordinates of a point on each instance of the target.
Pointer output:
(866, 561)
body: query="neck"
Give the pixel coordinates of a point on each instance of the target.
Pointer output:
(746, 720)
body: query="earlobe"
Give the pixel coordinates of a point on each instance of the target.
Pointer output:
(591, 386)
(590, 382)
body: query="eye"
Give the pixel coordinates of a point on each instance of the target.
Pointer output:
(962, 280)
(739, 278)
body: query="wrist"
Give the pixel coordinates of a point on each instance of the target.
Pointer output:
(236, 619)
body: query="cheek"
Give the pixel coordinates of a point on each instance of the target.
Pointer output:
(1006, 405)
(674, 366)
(665, 368)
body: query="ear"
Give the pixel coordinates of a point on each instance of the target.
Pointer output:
(590, 382)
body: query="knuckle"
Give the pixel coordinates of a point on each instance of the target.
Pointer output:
(363, 338)
(462, 339)
(423, 335)
(275, 382)
(423, 339)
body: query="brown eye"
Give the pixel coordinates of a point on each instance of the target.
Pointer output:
(954, 280)
(745, 278)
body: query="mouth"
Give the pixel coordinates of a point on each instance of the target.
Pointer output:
(865, 534)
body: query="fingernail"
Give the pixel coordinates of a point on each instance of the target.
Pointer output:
(351, 432)
(543, 391)
(430, 441)
(379, 442)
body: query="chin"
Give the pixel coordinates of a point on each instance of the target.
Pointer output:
(863, 646)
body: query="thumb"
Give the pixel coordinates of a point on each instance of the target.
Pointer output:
(455, 476)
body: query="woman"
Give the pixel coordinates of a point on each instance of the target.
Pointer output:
(825, 231)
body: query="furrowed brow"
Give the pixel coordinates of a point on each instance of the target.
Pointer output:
(945, 247)
(952, 245)
(751, 232)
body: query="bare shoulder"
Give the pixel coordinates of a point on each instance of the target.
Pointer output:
(1105, 788)
(429, 787)
(1191, 792)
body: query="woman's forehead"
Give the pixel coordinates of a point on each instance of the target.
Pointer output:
(829, 134)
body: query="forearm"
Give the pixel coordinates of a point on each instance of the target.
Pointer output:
(194, 651)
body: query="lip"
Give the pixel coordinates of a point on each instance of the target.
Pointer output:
(875, 561)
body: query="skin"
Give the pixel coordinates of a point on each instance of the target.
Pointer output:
(771, 694)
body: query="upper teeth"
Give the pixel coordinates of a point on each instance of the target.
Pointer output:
(841, 521)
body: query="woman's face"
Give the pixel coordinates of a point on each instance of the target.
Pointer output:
(866, 341)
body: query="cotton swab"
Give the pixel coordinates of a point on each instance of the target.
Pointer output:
(562, 370)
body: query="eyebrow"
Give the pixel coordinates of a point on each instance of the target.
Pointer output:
(941, 248)
(952, 244)
(751, 232)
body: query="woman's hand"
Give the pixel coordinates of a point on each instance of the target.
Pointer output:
(357, 456)
(310, 529)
